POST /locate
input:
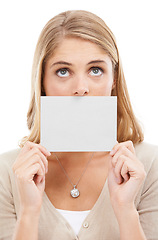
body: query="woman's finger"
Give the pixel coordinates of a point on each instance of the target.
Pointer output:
(31, 157)
(29, 145)
(40, 156)
(29, 173)
(36, 159)
(127, 144)
(125, 171)
(121, 151)
(38, 179)
(118, 167)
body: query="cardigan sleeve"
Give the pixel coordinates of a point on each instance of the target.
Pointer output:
(7, 209)
(148, 205)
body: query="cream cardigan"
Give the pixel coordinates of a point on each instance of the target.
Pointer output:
(100, 223)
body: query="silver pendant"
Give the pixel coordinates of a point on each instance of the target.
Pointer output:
(75, 192)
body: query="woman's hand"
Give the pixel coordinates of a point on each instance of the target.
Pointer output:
(30, 168)
(126, 175)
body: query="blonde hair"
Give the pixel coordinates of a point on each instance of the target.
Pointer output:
(88, 26)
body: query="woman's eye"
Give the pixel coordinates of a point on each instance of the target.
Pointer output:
(63, 72)
(96, 71)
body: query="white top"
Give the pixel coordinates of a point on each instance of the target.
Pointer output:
(74, 218)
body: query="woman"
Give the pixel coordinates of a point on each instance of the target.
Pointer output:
(77, 55)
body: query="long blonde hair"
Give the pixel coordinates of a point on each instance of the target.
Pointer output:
(85, 25)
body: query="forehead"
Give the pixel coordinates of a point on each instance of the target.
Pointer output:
(78, 49)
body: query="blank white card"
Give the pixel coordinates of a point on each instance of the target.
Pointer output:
(78, 123)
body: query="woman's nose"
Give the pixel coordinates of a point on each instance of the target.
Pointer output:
(81, 86)
(81, 92)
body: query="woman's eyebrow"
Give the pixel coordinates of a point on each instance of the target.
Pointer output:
(97, 61)
(61, 62)
(70, 64)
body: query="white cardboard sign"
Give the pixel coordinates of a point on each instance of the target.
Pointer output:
(78, 123)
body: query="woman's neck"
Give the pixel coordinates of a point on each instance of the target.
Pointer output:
(76, 157)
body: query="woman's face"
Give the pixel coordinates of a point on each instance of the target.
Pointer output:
(78, 68)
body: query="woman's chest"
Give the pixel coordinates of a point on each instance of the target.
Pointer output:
(90, 185)
(100, 223)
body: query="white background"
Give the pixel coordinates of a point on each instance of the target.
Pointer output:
(135, 25)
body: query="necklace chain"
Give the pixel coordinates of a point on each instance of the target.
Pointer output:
(74, 185)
